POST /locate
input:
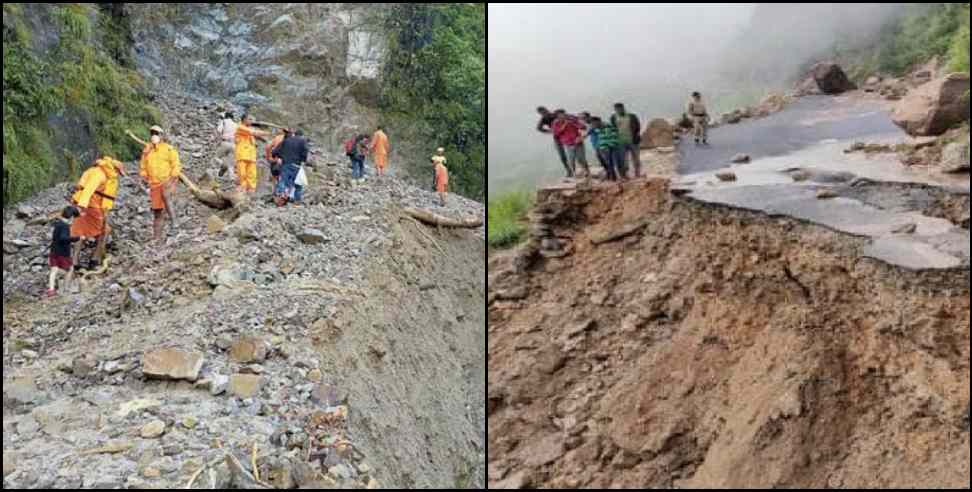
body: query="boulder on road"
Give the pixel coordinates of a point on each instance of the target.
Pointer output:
(934, 107)
(659, 133)
(831, 79)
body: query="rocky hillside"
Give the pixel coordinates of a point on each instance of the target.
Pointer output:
(77, 75)
(337, 345)
(313, 65)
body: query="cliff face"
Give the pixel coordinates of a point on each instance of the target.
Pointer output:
(314, 65)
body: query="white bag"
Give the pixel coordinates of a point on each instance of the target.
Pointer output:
(301, 178)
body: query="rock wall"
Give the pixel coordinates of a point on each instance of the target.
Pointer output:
(314, 65)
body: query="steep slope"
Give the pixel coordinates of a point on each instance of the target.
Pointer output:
(373, 328)
(667, 342)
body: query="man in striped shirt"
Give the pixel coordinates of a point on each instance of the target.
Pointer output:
(609, 148)
(585, 116)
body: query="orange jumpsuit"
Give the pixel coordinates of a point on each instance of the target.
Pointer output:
(94, 200)
(379, 149)
(441, 177)
(246, 157)
(160, 163)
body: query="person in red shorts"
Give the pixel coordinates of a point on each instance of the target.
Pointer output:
(60, 257)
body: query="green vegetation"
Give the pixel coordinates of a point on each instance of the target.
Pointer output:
(959, 54)
(436, 81)
(79, 77)
(924, 32)
(506, 215)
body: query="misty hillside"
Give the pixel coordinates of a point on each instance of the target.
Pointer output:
(738, 54)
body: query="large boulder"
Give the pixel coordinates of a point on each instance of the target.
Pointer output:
(831, 79)
(934, 107)
(659, 133)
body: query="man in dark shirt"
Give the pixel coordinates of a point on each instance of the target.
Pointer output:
(293, 152)
(60, 258)
(545, 126)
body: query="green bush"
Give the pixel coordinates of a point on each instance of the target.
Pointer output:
(927, 31)
(960, 48)
(78, 75)
(435, 80)
(506, 216)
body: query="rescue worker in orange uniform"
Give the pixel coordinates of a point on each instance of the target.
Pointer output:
(441, 175)
(161, 168)
(246, 154)
(379, 150)
(95, 196)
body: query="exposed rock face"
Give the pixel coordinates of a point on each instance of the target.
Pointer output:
(658, 134)
(934, 107)
(293, 62)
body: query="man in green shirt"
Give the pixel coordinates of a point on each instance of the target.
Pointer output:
(629, 135)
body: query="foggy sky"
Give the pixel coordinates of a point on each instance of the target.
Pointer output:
(649, 56)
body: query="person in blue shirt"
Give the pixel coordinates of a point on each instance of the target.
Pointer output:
(592, 134)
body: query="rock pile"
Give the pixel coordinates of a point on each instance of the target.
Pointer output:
(239, 352)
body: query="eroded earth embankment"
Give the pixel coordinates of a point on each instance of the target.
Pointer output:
(647, 340)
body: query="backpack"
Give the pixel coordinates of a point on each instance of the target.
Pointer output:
(349, 146)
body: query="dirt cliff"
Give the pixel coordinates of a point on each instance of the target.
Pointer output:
(644, 339)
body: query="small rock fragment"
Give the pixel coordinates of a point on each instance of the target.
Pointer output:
(726, 176)
(153, 429)
(740, 159)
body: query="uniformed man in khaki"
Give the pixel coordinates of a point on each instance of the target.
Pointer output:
(700, 118)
